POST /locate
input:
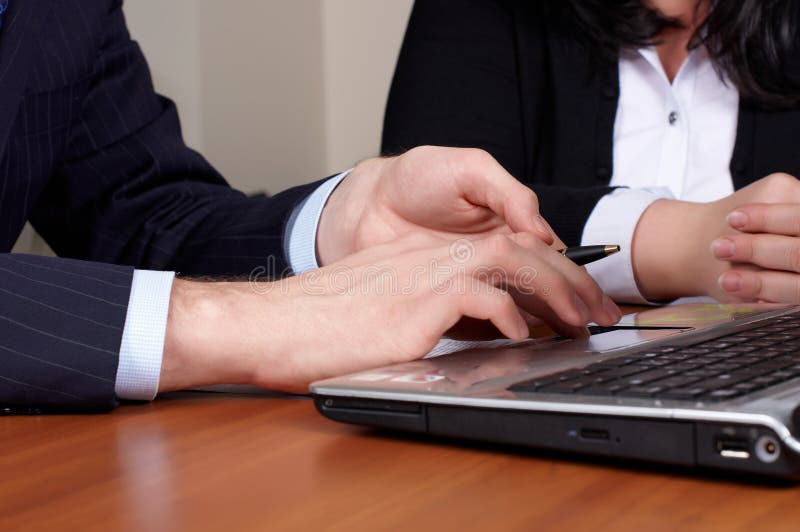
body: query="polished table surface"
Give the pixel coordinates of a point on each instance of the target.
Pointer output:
(210, 461)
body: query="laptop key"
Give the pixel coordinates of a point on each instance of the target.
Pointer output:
(609, 389)
(683, 393)
(678, 381)
(725, 380)
(623, 371)
(784, 375)
(747, 387)
(648, 376)
(765, 380)
(717, 345)
(696, 350)
(641, 391)
(562, 387)
(740, 349)
(655, 363)
(702, 373)
(724, 394)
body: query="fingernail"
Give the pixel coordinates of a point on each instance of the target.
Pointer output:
(738, 219)
(541, 225)
(723, 248)
(730, 282)
(524, 330)
(611, 309)
(583, 310)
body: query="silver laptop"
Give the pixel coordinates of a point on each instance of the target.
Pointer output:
(696, 385)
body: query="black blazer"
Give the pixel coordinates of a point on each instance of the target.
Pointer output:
(512, 78)
(94, 159)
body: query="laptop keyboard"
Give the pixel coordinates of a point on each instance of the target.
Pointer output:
(724, 368)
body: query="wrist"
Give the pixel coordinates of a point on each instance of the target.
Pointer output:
(337, 234)
(670, 250)
(202, 319)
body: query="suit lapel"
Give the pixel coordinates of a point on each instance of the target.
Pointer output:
(16, 47)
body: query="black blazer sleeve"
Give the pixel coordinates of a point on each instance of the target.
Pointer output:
(458, 82)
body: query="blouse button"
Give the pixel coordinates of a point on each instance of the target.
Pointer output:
(673, 118)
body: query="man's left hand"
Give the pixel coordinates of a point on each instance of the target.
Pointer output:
(444, 192)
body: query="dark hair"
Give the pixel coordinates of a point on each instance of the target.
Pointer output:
(753, 42)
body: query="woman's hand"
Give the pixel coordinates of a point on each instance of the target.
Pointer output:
(769, 245)
(744, 247)
(390, 303)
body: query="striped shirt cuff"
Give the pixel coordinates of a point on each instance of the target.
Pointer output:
(301, 230)
(142, 347)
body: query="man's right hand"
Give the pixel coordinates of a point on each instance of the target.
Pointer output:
(389, 303)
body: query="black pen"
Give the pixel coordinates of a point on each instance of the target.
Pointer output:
(585, 255)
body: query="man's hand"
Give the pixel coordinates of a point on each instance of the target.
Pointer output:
(444, 192)
(390, 303)
(689, 249)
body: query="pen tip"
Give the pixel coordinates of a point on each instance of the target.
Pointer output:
(610, 250)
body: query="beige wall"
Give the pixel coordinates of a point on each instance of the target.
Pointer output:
(273, 92)
(362, 39)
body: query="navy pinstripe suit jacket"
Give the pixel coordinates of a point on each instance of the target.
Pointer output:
(93, 157)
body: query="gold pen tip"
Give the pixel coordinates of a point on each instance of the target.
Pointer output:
(610, 250)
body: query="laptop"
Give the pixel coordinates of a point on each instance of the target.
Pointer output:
(695, 385)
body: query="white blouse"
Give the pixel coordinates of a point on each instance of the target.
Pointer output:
(671, 140)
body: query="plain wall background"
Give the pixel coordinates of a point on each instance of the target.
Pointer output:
(274, 93)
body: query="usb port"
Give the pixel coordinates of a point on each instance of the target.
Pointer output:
(735, 448)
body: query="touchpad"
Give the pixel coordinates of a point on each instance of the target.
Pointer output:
(609, 338)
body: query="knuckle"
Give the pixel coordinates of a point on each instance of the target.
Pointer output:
(758, 289)
(559, 285)
(781, 184)
(534, 200)
(497, 246)
(744, 247)
(528, 240)
(588, 286)
(478, 157)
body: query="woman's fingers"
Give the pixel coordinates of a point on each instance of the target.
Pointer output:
(769, 286)
(775, 218)
(773, 252)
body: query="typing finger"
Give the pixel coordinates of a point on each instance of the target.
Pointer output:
(501, 260)
(602, 308)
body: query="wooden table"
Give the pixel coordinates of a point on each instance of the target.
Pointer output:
(206, 461)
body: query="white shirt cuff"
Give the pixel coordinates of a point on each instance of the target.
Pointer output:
(142, 347)
(301, 230)
(613, 221)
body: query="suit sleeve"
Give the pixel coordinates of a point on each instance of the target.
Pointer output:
(129, 191)
(61, 323)
(457, 84)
